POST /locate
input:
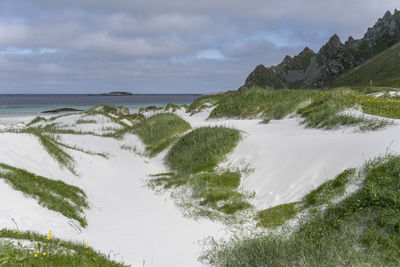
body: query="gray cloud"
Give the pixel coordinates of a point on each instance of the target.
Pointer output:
(49, 46)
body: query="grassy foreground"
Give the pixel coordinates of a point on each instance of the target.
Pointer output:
(361, 230)
(55, 195)
(46, 250)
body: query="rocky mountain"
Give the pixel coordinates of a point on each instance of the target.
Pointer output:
(319, 70)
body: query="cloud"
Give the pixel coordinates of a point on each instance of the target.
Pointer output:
(163, 46)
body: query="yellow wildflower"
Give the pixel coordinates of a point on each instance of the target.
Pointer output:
(35, 255)
(44, 244)
(44, 253)
(38, 252)
(86, 243)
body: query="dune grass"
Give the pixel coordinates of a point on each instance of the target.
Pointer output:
(35, 120)
(56, 152)
(361, 230)
(216, 191)
(204, 102)
(326, 108)
(83, 121)
(159, 131)
(193, 158)
(318, 108)
(261, 103)
(277, 215)
(202, 149)
(55, 195)
(326, 192)
(47, 250)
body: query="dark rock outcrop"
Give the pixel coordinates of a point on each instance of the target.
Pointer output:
(318, 70)
(59, 110)
(117, 94)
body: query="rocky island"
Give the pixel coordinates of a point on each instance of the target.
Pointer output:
(116, 93)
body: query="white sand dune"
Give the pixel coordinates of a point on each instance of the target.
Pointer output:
(127, 218)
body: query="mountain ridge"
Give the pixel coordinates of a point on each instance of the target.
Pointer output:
(311, 70)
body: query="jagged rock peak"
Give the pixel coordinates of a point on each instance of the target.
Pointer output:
(307, 51)
(387, 15)
(287, 58)
(261, 66)
(335, 40)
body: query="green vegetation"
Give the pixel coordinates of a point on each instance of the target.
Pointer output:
(277, 215)
(326, 107)
(172, 107)
(326, 192)
(265, 78)
(318, 108)
(83, 121)
(194, 158)
(106, 110)
(133, 118)
(383, 70)
(160, 130)
(47, 250)
(211, 189)
(204, 102)
(360, 230)
(202, 149)
(35, 120)
(257, 102)
(55, 195)
(53, 148)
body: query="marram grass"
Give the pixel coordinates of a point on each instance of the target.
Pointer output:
(202, 149)
(55, 195)
(159, 131)
(360, 230)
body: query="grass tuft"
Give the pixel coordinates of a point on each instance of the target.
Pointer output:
(55, 195)
(159, 131)
(326, 192)
(277, 215)
(202, 149)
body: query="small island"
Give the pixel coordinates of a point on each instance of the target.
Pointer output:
(116, 93)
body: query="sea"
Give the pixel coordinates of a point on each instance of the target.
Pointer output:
(35, 104)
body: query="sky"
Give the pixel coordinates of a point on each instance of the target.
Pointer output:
(163, 46)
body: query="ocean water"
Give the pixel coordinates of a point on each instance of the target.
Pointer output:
(21, 105)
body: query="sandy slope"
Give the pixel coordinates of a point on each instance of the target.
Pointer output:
(128, 218)
(124, 218)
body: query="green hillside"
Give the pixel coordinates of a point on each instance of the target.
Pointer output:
(383, 70)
